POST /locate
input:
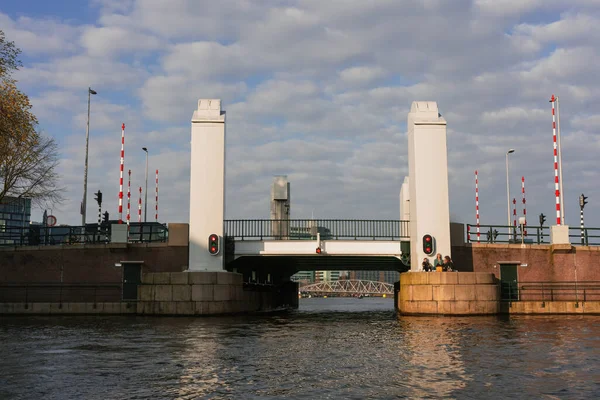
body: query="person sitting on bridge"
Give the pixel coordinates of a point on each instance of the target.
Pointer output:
(448, 264)
(438, 262)
(426, 265)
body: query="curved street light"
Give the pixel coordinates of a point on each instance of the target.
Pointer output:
(85, 172)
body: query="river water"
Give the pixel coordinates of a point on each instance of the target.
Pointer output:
(328, 349)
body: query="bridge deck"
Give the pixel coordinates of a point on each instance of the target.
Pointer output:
(308, 229)
(309, 247)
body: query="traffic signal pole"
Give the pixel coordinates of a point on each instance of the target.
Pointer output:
(542, 220)
(582, 203)
(99, 201)
(582, 228)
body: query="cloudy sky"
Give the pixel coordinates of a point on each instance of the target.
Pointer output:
(318, 90)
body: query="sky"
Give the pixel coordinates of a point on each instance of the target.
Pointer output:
(319, 91)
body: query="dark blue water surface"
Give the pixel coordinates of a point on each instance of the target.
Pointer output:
(329, 349)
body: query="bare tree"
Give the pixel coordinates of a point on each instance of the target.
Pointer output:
(28, 159)
(9, 56)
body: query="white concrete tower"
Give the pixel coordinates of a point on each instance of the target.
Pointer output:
(280, 207)
(428, 181)
(207, 185)
(405, 200)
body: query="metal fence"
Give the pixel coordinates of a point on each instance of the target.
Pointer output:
(551, 291)
(38, 235)
(56, 292)
(529, 235)
(307, 229)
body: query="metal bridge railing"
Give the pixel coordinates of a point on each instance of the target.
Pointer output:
(307, 229)
(39, 235)
(551, 291)
(530, 235)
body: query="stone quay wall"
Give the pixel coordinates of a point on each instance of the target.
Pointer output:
(47, 308)
(448, 293)
(178, 293)
(550, 307)
(204, 293)
(537, 263)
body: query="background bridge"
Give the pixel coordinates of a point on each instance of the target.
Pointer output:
(349, 287)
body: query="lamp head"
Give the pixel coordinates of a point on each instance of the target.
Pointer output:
(92, 91)
(510, 151)
(145, 149)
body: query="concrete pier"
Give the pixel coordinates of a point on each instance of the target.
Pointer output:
(448, 293)
(208, 293)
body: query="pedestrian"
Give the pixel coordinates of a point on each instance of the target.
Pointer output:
(438, 262)
(426, 265)
(448, 264)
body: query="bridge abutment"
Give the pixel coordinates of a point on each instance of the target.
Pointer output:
(210, 293)
(448, 293)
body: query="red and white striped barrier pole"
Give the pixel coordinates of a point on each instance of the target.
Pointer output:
(515, 218)
(140, 206)
(156, 208)
(524, 206)
(477, 205)
(129, 201)
(121, 174)
(556, 181)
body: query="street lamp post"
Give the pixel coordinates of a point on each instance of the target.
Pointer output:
(508, 190)
(85, 173)
(146, 190)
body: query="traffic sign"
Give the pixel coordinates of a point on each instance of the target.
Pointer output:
(50, 220)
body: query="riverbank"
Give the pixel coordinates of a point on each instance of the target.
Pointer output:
(481, 293)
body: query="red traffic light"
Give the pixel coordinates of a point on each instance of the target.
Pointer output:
(428, 244)
(318, 250)
(213, 244)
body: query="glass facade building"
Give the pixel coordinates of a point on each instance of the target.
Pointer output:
(15, 218)
(377, 276)
(304, 277)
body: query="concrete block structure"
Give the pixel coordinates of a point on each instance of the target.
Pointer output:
(280, 207)
(428, 181)
(207, 184)
(559, 234)
(448, 293)
(405, 200)
(206, 293)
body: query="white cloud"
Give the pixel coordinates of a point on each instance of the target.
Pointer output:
(40, 36)
(361, 75)
(509, 8)
(107, 41)
(320, 91)
(81, 71)
(173, 98)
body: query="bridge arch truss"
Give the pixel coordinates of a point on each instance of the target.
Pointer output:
(349, 287)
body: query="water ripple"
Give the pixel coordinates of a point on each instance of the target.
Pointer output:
(329, 349)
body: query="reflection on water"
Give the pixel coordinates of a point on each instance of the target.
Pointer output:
(330, 348)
